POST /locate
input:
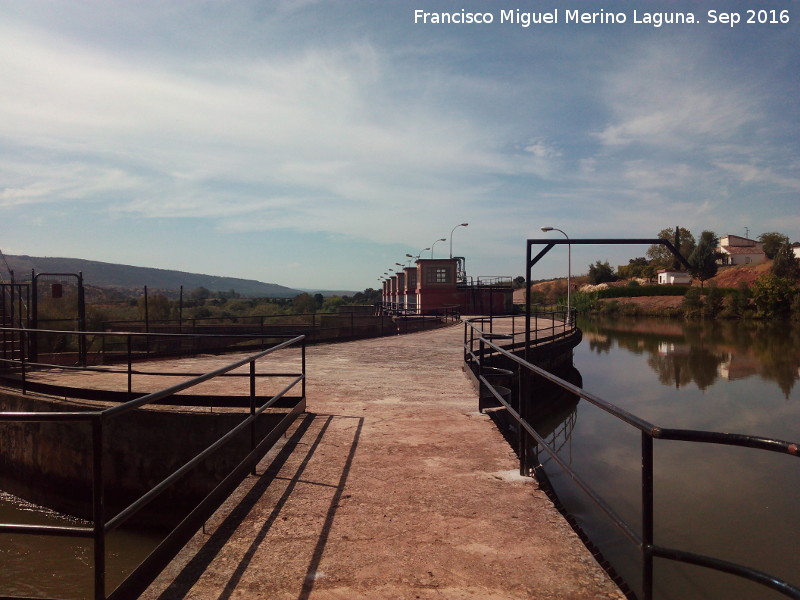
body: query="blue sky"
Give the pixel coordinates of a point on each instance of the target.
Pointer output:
(314, 143)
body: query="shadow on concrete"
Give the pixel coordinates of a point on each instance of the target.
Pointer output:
(193, 570)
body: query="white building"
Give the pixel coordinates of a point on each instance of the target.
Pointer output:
(738, 250)
(669, 277)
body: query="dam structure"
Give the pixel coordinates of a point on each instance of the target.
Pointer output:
(368, 471)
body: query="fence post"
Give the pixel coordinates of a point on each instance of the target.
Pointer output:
(647, 515)
(253, 410)
(24, 341)
(303, 361)
(130, 369)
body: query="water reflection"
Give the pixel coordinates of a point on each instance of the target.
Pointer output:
(701, 352)
(733, 503)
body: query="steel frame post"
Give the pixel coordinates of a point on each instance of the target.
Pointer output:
(253, 410)
(647, 515)
(98, 509)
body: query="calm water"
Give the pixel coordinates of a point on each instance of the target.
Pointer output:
(736, 504)
(56, 567)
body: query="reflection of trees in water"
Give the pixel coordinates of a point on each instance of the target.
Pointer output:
(696, 356)
(777, 348)
(685, 365)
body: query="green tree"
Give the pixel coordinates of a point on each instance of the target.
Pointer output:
(661, 256)
(773, 241)
(601, 273)
(368, 296)
(303, 303)
(158, 307)
(738, 302)
(714, 302)
(785, 263)
(703, 258)
(773, 295)
(518, 282)
(199, 295)
(332, 304)
(636, 267)
(692, 303)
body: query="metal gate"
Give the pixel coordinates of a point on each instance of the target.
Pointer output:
(57, 303)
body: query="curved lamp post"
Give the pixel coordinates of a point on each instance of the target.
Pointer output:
(569, 266)
(451, 236)
(434, 244)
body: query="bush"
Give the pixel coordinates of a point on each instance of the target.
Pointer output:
(643, 290)
(692, 303)
(773, 296)
(714, 302)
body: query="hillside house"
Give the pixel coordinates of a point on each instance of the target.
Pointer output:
(738, 250)
(670, 277)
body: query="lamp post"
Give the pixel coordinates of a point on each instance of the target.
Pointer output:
(569, 266)
(451, 236)
(434, 244)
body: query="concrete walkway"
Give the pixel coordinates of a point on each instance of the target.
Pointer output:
(392, 486)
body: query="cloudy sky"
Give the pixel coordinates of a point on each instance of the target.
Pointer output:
(313, 143)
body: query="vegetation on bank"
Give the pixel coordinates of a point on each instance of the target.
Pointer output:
(198, 304)
(774, 294)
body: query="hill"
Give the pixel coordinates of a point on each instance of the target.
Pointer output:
(732, 276)
(110, 275)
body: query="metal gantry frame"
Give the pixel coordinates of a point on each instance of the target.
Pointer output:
(549, 244)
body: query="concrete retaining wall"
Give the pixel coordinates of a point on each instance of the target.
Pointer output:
(51, 463)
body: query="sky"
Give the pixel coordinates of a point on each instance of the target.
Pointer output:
(315, 143)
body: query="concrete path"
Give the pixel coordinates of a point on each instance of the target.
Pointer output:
(393, 486)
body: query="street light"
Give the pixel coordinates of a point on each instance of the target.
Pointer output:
(434, 244)
(569, 265)
(451, 236)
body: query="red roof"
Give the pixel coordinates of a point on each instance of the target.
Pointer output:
(742, 250)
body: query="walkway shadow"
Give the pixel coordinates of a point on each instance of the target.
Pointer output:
(181, 586)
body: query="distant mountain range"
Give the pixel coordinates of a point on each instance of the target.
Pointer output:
(111, 275)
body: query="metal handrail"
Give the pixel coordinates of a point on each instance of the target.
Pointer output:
(649, 432)
(101, 527)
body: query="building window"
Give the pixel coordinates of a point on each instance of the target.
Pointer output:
(438, 275)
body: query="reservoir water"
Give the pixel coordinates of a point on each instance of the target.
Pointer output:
(736, 504)
(60, 567)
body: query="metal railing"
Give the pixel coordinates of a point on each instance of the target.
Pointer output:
(443, 314)
(478, 363)
(101, 526)
(546, 324)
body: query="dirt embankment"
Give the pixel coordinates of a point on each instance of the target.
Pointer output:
(727, 277)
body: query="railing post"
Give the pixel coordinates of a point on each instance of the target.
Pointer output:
(253, 410)
(25, 343)
(130, 369)
(647, 515)
(98, 509)
(522, 435)
(303, 365)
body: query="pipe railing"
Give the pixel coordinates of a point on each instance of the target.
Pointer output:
(645, 541)
(174, 540)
